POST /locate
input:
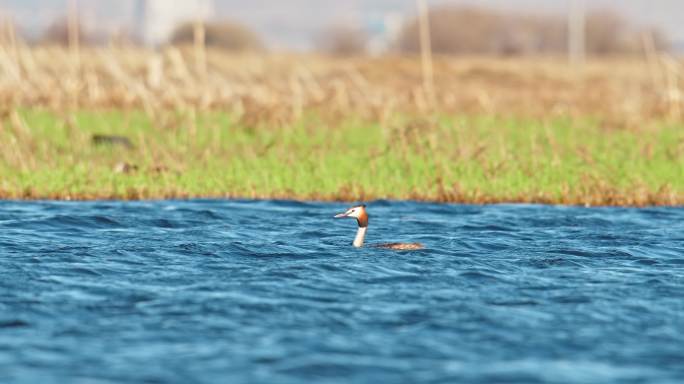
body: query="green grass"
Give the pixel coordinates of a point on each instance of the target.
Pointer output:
(447, 158)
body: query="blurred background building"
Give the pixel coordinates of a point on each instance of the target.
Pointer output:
(295, 24)
(155, 20)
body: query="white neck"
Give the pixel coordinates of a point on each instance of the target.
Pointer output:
(360, 235)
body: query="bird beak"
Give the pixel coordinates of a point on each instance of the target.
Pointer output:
(341, 215)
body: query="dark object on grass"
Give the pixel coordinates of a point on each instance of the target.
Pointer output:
(124, 167)
(113, 140)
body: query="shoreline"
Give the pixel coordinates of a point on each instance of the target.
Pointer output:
(673, 201)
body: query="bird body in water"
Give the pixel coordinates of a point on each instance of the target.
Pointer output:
(359, 213)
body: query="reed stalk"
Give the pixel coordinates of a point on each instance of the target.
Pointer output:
(426, 50)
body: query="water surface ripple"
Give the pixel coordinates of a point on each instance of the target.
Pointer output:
(272, 292)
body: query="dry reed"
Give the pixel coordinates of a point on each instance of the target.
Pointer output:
(278, 88)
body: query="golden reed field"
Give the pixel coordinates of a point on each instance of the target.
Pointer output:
(621, 92)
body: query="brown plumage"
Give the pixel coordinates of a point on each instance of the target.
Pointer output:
(359, 213)
(400, 246)
(362, 220)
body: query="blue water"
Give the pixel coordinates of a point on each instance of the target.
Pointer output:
(272, 292)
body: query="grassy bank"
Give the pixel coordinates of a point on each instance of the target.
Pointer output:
(458, 159)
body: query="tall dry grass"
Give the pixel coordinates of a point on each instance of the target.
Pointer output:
(277, 88)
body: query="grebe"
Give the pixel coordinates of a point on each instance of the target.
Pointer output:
(359, 213)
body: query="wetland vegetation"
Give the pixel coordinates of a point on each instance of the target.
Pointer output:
(212, 124)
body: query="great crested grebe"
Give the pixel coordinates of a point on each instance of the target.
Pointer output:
(359, 213)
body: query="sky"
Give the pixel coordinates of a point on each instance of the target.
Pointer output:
(293, 23)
